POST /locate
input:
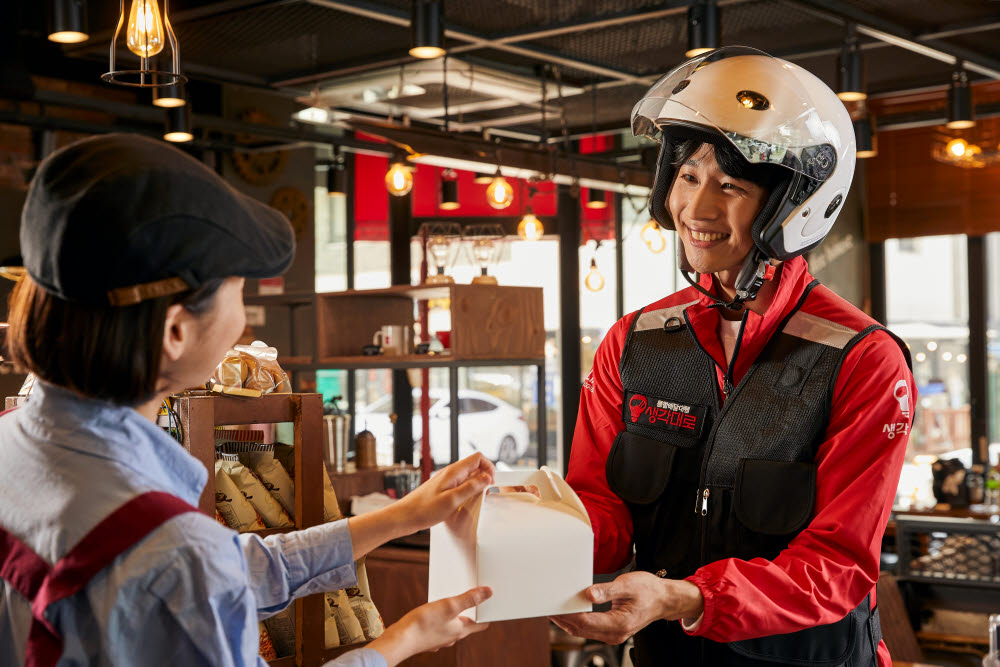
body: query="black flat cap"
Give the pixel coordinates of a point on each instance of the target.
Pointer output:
(119, 218)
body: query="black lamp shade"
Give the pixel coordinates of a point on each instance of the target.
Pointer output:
(178, 125)
(865, 138)
(960, 112)
(336, 180)
(595, 199)
(703, 27)
(68, 21)
(449, 194)
(426, 29)
(850, 73)
(170, 95)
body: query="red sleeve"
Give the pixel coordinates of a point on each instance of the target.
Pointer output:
(598, 423)
(829, 567)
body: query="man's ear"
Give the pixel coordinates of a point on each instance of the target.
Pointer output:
(176, 333)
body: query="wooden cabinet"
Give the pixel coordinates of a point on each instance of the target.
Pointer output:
(199, 415)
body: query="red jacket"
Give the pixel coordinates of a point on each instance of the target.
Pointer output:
(829, 568)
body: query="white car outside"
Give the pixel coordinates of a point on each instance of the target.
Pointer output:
(485, 424)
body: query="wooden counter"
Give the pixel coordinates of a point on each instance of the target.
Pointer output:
(398, 580)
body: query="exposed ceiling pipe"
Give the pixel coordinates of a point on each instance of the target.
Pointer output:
(896, 35)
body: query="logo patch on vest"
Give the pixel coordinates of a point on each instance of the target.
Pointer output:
(665, 415)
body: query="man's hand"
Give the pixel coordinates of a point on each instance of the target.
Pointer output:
(438, 498)
(431, 626)
(637, 599)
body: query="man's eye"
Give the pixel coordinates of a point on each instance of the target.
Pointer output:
(688, 177)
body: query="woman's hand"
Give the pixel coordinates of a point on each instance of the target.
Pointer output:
(432, 502)
(438, 498)
(430, 627)
(637, 599)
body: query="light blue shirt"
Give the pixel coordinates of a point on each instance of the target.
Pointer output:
(192, 592)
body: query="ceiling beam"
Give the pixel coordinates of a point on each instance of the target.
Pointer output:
(896, 35)
(402, 18)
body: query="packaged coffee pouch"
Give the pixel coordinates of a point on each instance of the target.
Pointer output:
(266, 650)
(366, 613)
(260, 459)
(234, 508)
(254, 491)
(281, 627)
(331, 508)
(348, 627)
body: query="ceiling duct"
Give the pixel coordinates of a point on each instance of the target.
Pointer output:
(477, 96)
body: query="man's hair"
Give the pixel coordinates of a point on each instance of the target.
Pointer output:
(106, 352)
(732, 163)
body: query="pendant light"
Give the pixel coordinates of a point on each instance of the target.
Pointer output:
(960, 111)
(499, 194)
(530, 228)
(864, 137)
(703, 28)
(426, 29)
(594, 280)
(68, 21)
(399, 178)
(178, 125)
(595, 197)
(170, 95)
(147, 33)
(652, 236)
(336, 176)
(449, 190)
(850, 69)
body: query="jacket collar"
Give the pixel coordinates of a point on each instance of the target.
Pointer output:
(793, 278)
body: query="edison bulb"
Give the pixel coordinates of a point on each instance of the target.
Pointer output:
(399, 179)
(957, 147)
(499, 194)
(482, 250)
(530, 228)
(144, 36)
(594, 280)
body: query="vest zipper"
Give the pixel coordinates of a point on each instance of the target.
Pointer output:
(704, 493)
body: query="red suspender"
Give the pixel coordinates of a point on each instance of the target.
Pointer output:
(42, 584)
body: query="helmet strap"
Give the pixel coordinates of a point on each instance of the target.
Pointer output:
(756, 269)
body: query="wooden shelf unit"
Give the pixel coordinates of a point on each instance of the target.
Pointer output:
(487, 321)
(199, 415)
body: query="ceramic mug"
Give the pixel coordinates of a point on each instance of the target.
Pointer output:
(393, 339)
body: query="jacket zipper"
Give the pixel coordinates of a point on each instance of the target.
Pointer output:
(704, 493)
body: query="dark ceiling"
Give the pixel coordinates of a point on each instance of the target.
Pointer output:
(619, 46)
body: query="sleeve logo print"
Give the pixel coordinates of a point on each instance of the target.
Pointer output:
(902, 395)
(901, 392)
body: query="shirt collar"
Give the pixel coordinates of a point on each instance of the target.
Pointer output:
(117, 433)
(792, 281)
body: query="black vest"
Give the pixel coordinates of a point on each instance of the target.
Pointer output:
(705, 481)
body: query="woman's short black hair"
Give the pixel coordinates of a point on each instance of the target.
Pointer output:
(732, 162)
(106, 352)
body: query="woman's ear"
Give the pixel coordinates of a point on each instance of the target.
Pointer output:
(176, 332)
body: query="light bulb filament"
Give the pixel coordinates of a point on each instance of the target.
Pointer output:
(145, 35)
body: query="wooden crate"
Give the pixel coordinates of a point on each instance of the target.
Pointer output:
(487, 321)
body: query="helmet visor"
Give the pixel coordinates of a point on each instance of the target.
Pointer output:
(761, 104)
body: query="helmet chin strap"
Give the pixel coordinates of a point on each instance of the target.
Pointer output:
(755, 270)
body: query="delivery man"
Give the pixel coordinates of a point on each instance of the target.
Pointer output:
(745, 434)
(136, 254)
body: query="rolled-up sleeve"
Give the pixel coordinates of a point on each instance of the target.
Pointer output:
(363, 657)
(281, 568)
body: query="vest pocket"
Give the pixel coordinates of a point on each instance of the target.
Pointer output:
(638, 467)
(774, 497)
(847, 641)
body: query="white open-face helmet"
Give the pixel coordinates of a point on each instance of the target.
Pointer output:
(772, 112)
